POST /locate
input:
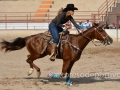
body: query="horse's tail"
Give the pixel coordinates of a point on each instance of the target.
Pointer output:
(16, 44)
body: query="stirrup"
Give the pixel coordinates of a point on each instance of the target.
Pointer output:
(52, 56)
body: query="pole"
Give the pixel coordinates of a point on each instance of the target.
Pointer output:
(117, 17)
(27, 21)
(5, 21)
(107, 11)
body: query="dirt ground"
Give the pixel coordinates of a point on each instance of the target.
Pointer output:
(98, 69)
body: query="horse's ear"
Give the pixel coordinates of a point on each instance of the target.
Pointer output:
(95, 24)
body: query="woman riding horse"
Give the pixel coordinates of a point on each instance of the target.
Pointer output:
(56, 25)
(72, 48)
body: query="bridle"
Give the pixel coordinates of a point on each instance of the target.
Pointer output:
(96, 31)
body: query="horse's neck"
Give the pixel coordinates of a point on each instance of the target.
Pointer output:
(84, 39)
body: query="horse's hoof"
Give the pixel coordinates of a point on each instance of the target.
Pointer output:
(52, 58)
(30, 71)
(72, 84)
(38, 75)
(69, 84)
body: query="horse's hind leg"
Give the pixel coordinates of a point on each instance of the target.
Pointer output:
(31, 66)
(30, 60)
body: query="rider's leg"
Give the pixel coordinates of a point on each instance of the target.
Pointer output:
(54, 30)
(53, 52)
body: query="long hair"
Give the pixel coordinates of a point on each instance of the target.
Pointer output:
(60, 11)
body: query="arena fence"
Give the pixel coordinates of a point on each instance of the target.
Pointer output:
(27, 20)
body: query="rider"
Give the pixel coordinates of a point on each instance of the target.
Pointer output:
(56, 25)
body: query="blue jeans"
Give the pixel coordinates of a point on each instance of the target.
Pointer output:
(55, 30)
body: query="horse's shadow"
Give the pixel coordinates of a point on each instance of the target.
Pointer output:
(81, 80)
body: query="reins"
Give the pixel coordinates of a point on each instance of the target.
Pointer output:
(84, 37)
(91, 39)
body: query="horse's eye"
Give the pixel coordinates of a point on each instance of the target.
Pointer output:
(100, 30)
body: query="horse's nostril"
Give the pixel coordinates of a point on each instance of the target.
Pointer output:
(109, 42)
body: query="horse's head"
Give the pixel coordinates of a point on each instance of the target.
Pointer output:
(101, 35)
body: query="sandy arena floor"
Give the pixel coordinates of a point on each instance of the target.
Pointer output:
(98, 69)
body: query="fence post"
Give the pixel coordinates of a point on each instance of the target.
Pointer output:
(5, 21)
(117, 17)
(98, 14)
(27, 21)
(48, 19)
(94, 17)
(107, 7)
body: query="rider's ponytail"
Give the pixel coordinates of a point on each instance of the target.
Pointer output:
(60, 11)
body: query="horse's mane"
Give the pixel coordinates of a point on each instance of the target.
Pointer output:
(86, 31)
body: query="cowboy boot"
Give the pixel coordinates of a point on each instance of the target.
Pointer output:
(53, 52)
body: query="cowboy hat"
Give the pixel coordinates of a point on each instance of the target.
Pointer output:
(70, 7)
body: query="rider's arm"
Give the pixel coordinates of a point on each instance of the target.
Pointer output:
(74, 23)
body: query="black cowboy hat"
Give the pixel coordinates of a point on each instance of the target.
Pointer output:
(70, 7)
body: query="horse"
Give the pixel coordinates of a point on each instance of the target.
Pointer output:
(72, 47)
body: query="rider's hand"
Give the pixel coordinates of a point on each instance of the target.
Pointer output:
(67, 26)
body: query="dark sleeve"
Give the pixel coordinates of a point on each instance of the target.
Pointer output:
(59, 18)
(73, 22)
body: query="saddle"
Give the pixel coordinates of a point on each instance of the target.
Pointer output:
(49, 39)
(63, 36)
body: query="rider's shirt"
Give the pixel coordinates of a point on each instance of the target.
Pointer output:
(62, 19)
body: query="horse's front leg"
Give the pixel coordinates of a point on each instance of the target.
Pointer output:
(64, 70)
(68, 81)
(65, 67)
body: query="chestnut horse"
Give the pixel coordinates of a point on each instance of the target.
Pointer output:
(72, 47)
